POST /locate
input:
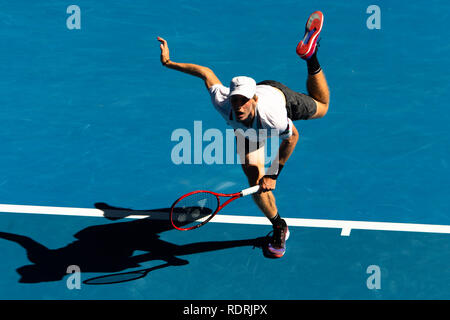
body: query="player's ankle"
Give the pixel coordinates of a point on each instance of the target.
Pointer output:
(313, 65)
(277, 221)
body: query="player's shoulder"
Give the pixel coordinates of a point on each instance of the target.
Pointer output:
(264, 89)
(219, 88)
(270, 99)
(271, 108)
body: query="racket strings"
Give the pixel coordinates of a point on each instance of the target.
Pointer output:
(194, 209)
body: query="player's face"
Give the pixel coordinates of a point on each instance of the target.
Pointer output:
(243, 107)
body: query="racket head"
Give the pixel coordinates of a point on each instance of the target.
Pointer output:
(194, 210)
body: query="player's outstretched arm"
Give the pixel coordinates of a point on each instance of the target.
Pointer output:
(268, 182)
(202, 72)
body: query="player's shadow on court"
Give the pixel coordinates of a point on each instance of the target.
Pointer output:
(109, 248)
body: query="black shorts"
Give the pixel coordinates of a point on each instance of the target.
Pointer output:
(299, 106)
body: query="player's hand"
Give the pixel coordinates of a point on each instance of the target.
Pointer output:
(165, 57)
(267, 183)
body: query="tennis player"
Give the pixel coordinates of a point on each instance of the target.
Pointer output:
(266, 105)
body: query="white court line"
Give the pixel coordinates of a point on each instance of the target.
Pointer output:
(345, 226)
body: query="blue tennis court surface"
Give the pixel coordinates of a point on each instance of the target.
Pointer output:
(87, 117)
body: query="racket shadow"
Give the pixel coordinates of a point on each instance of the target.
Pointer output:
(124, 276)
(109, 248)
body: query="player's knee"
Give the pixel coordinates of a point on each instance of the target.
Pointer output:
(253, 173)
(322, 110)
(325, 109)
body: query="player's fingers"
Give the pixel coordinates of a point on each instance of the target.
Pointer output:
(163, 41)
(263, 186)
(269, 187)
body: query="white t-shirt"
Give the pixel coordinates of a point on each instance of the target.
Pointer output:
(270, 113)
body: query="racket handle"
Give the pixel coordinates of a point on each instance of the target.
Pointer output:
(250, 191)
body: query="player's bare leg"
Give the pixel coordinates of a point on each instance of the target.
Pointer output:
(307, 49)
(253, 166)
(264, 200)
(318, 90)
(252, 161)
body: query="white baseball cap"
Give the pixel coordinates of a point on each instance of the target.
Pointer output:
(243, 86)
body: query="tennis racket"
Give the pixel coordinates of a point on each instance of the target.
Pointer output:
(196, 208)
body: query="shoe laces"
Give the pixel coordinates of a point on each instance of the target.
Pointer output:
(278, 235)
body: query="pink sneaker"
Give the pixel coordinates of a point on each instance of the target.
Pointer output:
(307, 47)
